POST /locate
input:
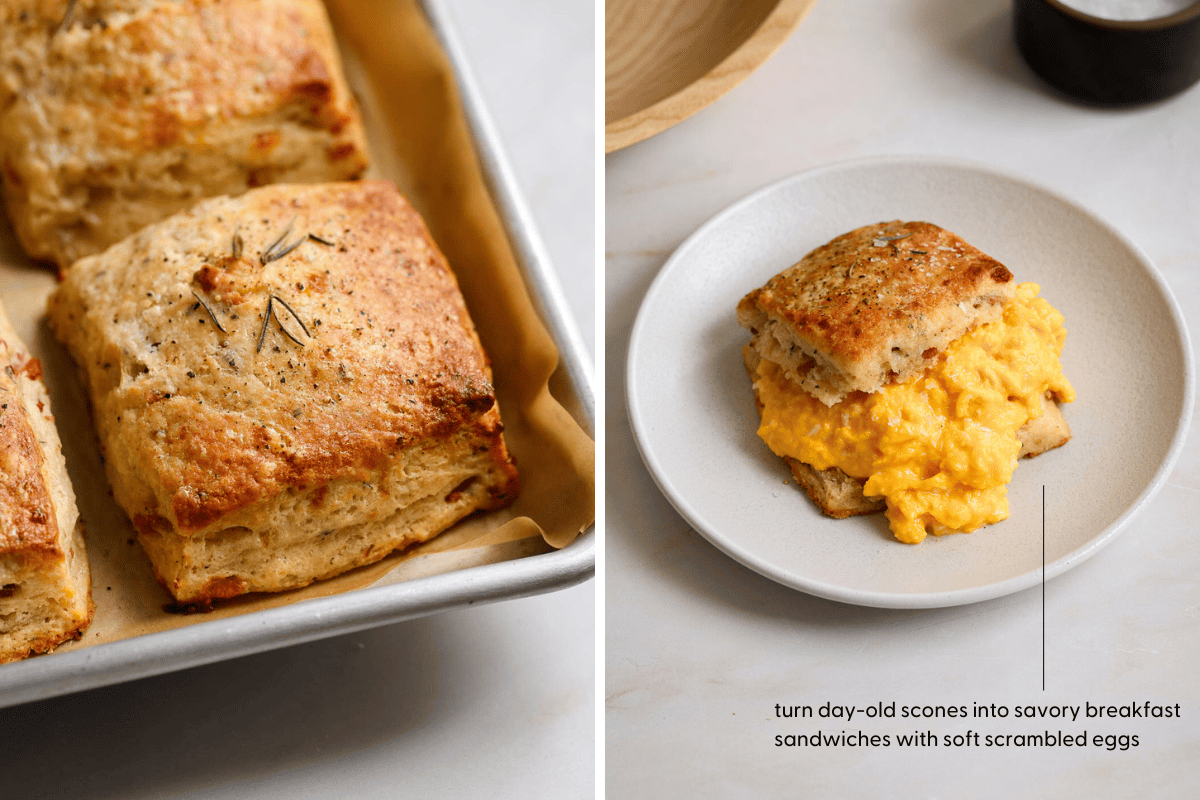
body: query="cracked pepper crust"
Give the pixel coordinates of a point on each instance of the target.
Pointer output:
(342, 359)
(873, 305)
(117, 113)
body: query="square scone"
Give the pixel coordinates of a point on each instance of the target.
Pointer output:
(873, 306)
(45, 586)
(118, 113)
(285, 385)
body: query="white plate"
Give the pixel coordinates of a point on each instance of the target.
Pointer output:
(1127, 355)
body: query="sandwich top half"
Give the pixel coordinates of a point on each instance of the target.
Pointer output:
(903, 360)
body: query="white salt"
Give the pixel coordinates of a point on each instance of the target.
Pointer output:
(1129, 10)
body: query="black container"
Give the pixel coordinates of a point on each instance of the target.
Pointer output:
(1109, 61)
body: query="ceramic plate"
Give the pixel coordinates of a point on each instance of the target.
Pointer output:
(1127, 355)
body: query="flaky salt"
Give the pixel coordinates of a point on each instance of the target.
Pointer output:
(1129, 10)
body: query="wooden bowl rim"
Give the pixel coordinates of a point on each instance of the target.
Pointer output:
(714, 84)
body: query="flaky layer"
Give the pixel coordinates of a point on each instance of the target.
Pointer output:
(44, 601)
(302, 537)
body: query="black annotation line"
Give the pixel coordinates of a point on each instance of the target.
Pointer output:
(1043, 587)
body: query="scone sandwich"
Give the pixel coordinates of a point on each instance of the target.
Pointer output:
(45, 586)
(285, 385)
(118, 113)
(899, 367)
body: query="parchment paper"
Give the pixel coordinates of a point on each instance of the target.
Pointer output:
(419, 140)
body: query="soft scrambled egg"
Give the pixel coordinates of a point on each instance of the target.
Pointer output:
(941, 448)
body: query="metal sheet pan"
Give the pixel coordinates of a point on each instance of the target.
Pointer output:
(221, 639)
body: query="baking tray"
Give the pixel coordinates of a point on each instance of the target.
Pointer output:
(208, 641)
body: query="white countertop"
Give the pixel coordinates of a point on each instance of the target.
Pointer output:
(700, 649)
(490, 702)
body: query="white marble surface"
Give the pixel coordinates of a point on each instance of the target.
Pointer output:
(700, 650)
(491, 702)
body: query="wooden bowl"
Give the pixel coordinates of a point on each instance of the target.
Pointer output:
(664, 60)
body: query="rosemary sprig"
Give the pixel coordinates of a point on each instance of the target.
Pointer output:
(295, 316)
(266, 319)
(269, 257)
(271, 312)
(277, 249)
(66, 20)
(881, 241)
(286, 332)
(269, 254)
(216, 321)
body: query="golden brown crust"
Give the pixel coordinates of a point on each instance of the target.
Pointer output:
(837, 494)
(45, 592)
(873, 305)
(124, 111)
(29, 522)
(337, 358)
(1047, 432)
(45, 643)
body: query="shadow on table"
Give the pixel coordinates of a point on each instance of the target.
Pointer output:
(990, 48)
(241, 720)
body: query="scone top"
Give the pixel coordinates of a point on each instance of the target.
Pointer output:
(270, 343)
(872, 306)
(118, 113)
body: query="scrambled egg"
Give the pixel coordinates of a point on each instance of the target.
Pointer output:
(941, 448)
